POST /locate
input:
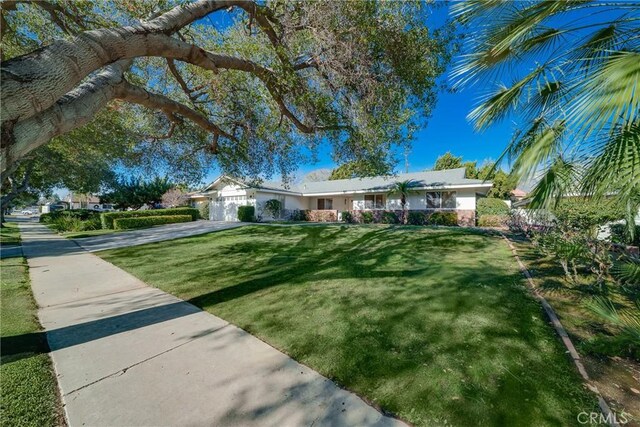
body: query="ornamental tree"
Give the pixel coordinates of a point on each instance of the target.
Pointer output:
(255, 84)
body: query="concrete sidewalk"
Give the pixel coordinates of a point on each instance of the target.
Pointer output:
(154, 234)
(128, 354)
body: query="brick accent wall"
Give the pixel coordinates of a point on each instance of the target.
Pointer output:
(466, 218)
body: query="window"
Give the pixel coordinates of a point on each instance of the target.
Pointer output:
(374, 201)
(441, 200)
(325, 204)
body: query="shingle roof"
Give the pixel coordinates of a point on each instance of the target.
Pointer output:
(442, 178)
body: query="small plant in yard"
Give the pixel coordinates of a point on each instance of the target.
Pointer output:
(570, 251)
(625, 321)
(347, 217)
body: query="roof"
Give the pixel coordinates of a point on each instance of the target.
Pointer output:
(449, 178)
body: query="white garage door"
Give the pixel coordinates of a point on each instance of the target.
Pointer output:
(224, 210)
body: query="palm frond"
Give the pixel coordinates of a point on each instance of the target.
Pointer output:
(498, 104)
(628, 320)
(615, 164)
(556, 181)
(627, 271)
(611, 97)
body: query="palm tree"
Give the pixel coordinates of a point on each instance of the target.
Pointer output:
(574, 91)
(403, 188)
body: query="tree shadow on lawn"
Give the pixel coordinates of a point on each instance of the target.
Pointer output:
(429, 326)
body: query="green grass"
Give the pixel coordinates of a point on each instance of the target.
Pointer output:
(9, 234)
(434, 325)
(29, 390)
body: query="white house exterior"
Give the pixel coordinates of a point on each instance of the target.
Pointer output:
(446, 190)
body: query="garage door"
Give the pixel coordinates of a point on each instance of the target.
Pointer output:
(224, 211)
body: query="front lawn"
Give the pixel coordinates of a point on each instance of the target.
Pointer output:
(434, 325)
(29, 390)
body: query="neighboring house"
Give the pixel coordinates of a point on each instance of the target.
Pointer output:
(445, 190)
(87, 201)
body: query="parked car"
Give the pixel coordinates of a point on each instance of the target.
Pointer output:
(27, 212)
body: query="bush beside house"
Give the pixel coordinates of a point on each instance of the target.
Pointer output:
(246, 213)
(492, 212)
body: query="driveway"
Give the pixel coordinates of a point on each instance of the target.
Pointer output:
(127, 354)
(159, 233)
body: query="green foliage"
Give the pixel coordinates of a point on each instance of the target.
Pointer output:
(627, 271)
(148, 221)
(133, 192)
(448, 161)
(503, 185)
(347, 217)
(273, 207)
(443, 218)
(389, 217)
(574, 91)
(416, 218)
(493, 220)
(367, 217)
(299, 215)
(203, 208)
(362, 169)
(584, 214)
(620, 234)
(246, 213)
(81, 214)
(626, 321)
(107, 218)
(489, 206)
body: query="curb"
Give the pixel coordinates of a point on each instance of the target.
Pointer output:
(564, 336)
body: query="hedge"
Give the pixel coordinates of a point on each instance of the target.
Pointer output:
(246, 213)
(148, 221)
(416, 218)
(489, 206)
(108, 218)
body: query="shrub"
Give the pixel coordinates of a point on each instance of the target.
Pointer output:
(246, 213)
(298, 215)
(148, 221)
(416, 218)
(347, 217)
(203, 208)
(389, 217)
(585, 214)
(322, 216)
(81, 214)
(108, 218)
(443, 218)
(493, 220)
(367, 217)
(273, 207)
(490, 206)
(620, 234)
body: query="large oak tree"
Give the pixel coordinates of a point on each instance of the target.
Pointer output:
(258, 85)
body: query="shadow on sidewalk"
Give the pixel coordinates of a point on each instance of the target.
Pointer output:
(18, 347)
